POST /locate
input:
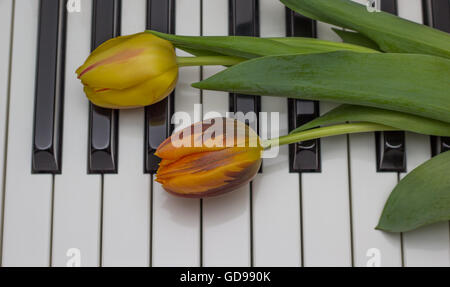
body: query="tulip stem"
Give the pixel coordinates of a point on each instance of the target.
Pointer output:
(209, 61)
(349, 128)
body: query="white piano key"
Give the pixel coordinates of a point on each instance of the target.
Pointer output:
(126, 205)
(276, 192)
(6, 11)
(325, 32)
(226, 219)
(28, 198)
(411, 10)
(276, 203)
(77, 203)
(427, 246)
(126, 199)
(176, 221)
(369, 192)
(326, 205)
(325, 196)
(327, 239)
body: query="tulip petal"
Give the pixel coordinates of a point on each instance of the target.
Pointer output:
(211, 173)
(149, 92)
(192, 139)
(120, 57)
(93, 57)
(127, 62)
(201, 169)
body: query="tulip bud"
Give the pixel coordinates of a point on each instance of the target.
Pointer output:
(209, 158)
(129, 72)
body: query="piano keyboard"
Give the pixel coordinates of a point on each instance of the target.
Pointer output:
(78, 179)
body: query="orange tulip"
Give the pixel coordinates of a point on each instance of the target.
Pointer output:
(209, 158)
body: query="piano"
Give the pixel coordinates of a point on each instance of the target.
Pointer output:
(77, 181)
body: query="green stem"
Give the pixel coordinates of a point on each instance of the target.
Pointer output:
(334, 130)
(209, 61)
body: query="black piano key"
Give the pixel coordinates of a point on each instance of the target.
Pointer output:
(389, 6)
(160, 17)
(103, 123)
(244, 21)
(437, 15)
(299, 26)
(304, 156)
(390, 151)
(49, 90)
(439, 145)
(390, 146)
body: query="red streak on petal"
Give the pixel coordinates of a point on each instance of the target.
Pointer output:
(102, 90)
(124, 55)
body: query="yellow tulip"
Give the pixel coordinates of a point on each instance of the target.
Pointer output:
(130, 71)
(211, 161)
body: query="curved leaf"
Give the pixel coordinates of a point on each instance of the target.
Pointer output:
(198, 52)
(253, 47)
(391, 33)
(241, 46)
(312, 45)
(323, 132)
(421, 198)
(401, 121)
(382, 80)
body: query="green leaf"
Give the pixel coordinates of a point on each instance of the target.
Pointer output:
(329, 131)
(391, 33)
(421, 198)
(253, 47)
(240, 46)
(415, 84)
(312, 45)
(356, 39)
(197, 52)
(401, 121)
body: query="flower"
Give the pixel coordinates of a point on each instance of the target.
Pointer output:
(209, 158)
(130, 71)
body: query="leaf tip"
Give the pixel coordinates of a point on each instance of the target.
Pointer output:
(197, 85)
(388, 228)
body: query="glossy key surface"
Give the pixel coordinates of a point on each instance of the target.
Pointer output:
(49, 93)
(103, 123)
(304, 156)
(390, 148)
